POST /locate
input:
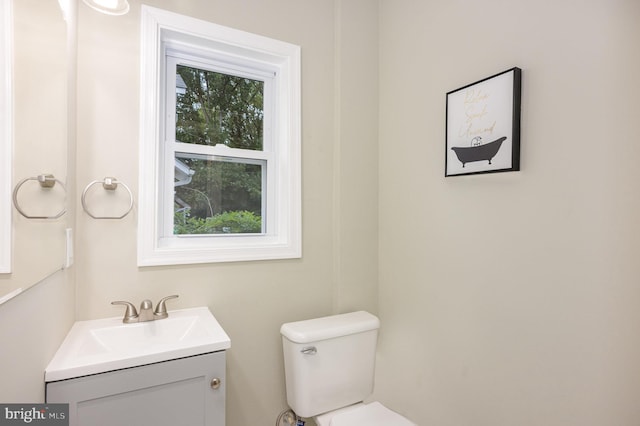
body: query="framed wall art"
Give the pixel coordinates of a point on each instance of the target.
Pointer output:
(483, 126)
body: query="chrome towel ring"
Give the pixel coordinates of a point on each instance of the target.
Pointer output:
(46, 181)
(110, 184)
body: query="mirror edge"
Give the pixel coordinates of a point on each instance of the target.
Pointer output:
(6, 133)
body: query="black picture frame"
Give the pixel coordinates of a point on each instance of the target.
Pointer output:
(483, 126)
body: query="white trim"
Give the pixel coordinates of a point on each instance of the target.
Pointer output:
(6, 133)
(239, 49)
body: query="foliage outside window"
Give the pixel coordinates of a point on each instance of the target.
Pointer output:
(212, 109)
(220, 144)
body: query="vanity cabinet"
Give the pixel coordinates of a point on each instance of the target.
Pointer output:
(186, 391)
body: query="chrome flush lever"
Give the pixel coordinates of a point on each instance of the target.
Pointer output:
(310, 350)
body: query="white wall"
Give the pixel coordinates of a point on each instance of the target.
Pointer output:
(250, 299)
(505, 299)
(512, 298)
(355, 177)
(34, 323)
(39, 140)
(32, 326)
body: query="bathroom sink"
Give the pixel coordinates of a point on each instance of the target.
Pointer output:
(102, 345)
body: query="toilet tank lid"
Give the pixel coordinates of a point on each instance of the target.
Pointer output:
(317, 329)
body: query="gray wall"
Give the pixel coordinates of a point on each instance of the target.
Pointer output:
(339, 162)
(512, 298)
(32, 326)
(505, 299)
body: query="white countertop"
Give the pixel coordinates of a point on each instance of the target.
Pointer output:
(102, 345)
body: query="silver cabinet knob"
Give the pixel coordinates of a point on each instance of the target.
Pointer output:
(215, 383)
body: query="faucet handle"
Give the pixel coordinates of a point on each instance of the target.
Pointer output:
(161, 307)
(130, 315)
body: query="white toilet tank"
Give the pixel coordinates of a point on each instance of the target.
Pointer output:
(329, 362)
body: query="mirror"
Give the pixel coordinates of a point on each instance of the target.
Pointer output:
(39, 113)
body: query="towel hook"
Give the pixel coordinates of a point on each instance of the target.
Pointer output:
(109, 184)
(46, 181)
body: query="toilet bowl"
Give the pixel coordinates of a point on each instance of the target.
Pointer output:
(372, 414)
(329, 370)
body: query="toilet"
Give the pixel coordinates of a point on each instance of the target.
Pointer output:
(329, 367)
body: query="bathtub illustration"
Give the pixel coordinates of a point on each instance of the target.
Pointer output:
(485, 152)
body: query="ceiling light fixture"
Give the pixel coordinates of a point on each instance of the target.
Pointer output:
(109, 7)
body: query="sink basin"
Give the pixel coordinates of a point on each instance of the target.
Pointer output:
(102, 345)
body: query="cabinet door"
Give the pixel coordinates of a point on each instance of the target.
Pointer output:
(170, 393)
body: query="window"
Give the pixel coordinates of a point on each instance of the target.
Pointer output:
(220, 144)
(5, 135)
(216, 138)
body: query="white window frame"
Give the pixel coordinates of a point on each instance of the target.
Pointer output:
(6, 132)
(163, 31)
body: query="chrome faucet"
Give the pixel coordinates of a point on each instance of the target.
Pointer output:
(146, 310)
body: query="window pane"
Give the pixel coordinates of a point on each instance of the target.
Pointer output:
(217, 196)
(214, 108)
